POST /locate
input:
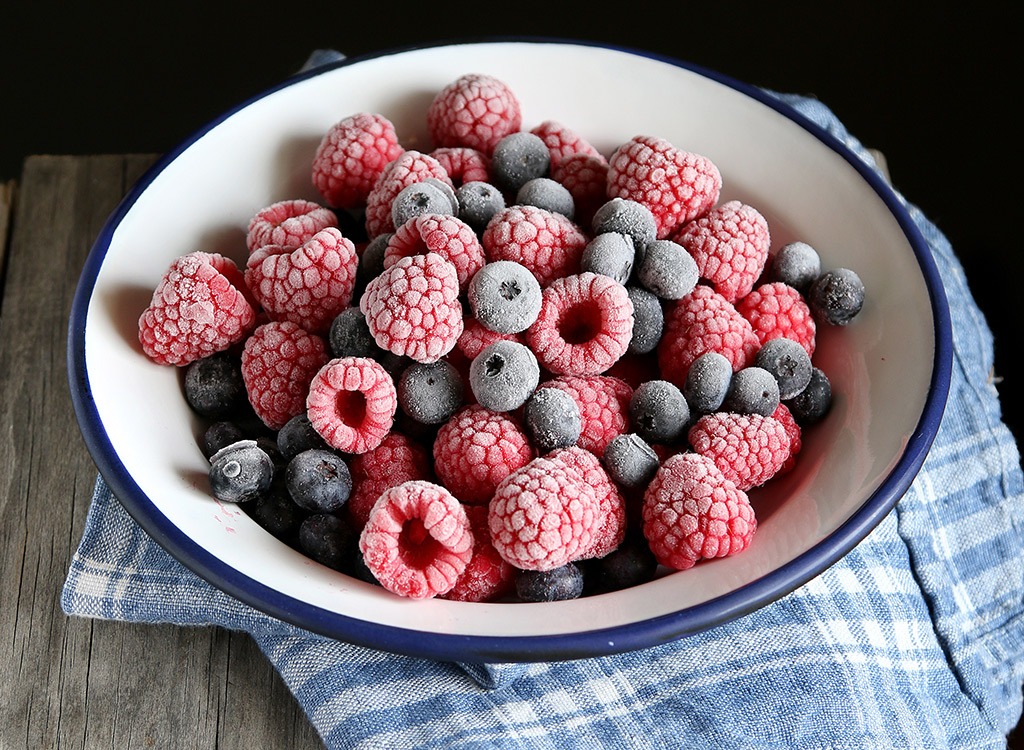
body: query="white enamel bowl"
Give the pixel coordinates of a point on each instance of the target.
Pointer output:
(889, 368)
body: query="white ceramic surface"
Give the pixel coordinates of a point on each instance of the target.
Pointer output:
(889, 369)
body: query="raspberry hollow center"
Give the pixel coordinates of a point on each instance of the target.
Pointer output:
(580, 323)
(417, 548)
(350, 407)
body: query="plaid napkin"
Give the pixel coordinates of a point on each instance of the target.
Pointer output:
(915, 639)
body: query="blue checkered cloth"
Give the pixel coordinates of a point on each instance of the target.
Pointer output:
(915, 639)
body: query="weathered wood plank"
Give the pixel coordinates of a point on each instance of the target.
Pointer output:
(72, 682)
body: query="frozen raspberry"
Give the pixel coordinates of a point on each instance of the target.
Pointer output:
(308, 285)
(352, 403)
(778, 310)
(585, 324)
(412, 309)
(351, 156)
(476, 337)
(408, 169)
(288, 223)
(396, 460)
(487, 577)
(199, 307)
(463, 164)
(610, 529)
(749, 449)
(278, 362)
(417, 541)
(788, 421)
(692, 512)
(450, 237)
(604, 407)
(476, 449)
(703, 321)
(547, 243)
(586, 178)
(543, 516)
(475, 111)
(676, 185)
(730, 244)
(563, 142)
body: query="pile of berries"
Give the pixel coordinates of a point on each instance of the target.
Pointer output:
(510, 368)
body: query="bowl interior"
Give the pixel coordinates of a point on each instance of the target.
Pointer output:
(852, 467)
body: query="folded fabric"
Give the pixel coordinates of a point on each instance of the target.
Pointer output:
(915, 639)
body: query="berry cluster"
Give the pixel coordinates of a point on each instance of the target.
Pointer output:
(508, 368)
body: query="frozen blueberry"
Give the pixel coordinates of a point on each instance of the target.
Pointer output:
(707, 382)
(504, 375)
(629, 460)
(349, 336)
(218, 435)
(788, 362)
(504, 296)
(610, 254)
(275, 511)
(213, 385)
(478, 203)
(417, 199)
(796, 264)
(553, 419)
(658, 411)
(328, 539)
(518, 158)
(631, 564)
(836, 296)
(559, 584)
(667, 270)
(318, 481)
(448, 191)
(240, 471)
(753, 390)
(626, 217)
(371, 261)
(813, 402)
(648, 320)
(430, 393)
(543, 192)
(298, 435)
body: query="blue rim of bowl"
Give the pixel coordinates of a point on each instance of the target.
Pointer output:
(485, 648)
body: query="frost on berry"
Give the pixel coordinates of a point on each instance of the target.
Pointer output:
(448, 236)
(563, 143)
(610, 529)
(776, 309)
(351, 156)
(474, 111)
(603, 402)
(487, 576)
(407, 169)
(749, 449)
(278, 362)
(352, 403)
(548, 244)
(396, 460)
(289, 224)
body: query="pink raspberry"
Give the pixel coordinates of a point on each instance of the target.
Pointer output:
(776, 309)
(749, 449)
(476, 449)
(788, 421)
(288, 223)
(279, 360)
(542, 516)
(450, 237)
(396, 460)
(352, 403)
(487, 577)
(676, 185)
(730, 244)
(417, 541)
(475, 111)
(200, 307)
(413, 307)
(463, 164)
(604, 407)
(308, 285)
(610, 529)
(476, 337)
(703, 321)
(692, 512)
(585, 324)
(562, 142)
(407, 169)
(351, 156)
(586, 178)
(548, 244)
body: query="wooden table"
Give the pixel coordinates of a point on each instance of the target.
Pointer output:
(74, 682)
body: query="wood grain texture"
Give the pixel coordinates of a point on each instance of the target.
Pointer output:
(74, 682)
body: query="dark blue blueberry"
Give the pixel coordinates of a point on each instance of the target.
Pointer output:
(371, 262)
(836, 297)
(349, 336)
(318, 481)
(553, 419)
(298, 435)
(796, 264)
(631, 564)
(658, 411)
(518, 158)
(814, 401)
(503, 375)
(554, 585)
(626, 217)
(275, 511)
(629, 460)
(753, 390)
(707, 382)
(788, 362)
(417, 199)
(220, 434)
(430, 393)
(610, 254)
(504, 296)
(240, 472)
(214, 387)
(478, 203)
(667, 270)
(648, 320)
(543, 192)
(328, 539)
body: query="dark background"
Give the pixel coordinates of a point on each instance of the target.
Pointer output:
(931, 89)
